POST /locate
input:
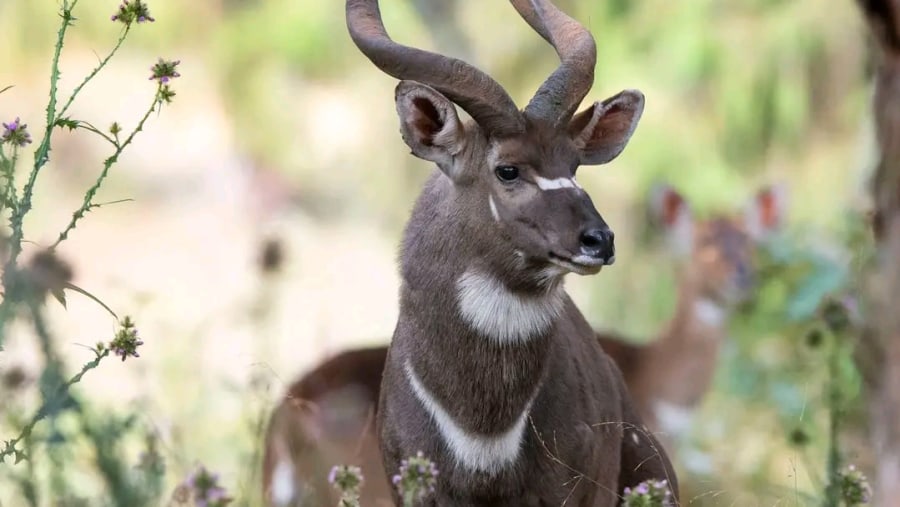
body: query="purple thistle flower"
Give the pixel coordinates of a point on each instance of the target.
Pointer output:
(650, 493)
(164, 70)
(333, 474)
(204, 488)
(126, 341)
(855, 488)
(347, 480)
(417, 477)
(133, 11)
(15, 133)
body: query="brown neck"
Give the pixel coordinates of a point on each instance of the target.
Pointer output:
(468, 330)
(678, 367)
(698, 317)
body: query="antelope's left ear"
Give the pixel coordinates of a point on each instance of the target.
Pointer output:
(765, 212)
(601, 131)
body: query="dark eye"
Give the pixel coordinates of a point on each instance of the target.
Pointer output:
(507, 173)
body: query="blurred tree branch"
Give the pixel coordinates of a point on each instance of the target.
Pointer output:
(880, 347)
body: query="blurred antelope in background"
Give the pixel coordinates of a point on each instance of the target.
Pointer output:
(327, 419)
(669, 376)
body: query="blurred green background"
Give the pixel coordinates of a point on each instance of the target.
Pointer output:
(282, 131)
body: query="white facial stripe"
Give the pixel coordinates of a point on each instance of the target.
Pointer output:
(493, 208)
(502, 316)
(673, 419)
(474, 452)
(556, 184)
(283, 489)
(709, 312)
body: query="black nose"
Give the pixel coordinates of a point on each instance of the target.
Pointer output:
(598, 243)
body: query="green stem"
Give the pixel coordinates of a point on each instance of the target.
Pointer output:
(94, 72)
(832, 492)
(90, 128)
(8, 164)
(41, 156)
(9, 447)
(107, 164)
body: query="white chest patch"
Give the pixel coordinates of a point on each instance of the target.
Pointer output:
(673, 419)
(504, 317)
(482, 453)
(556, 184)
(709, 313)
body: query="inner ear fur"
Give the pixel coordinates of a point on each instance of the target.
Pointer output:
(601, 131)
(765, 212)
(670, 211)
(429, 124)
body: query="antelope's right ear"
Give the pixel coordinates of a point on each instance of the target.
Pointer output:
(765, 213)
(670, 211)
(429, 125)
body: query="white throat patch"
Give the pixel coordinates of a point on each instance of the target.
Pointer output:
(709, 312)
(504, 317)
(472, 451)
(556, 184)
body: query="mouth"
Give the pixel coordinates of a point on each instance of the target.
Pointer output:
(580, 264)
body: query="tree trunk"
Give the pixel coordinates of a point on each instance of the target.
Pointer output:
(881, 343)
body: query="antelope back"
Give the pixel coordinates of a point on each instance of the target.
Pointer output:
(326, 419)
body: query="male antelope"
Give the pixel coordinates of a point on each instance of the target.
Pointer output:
(493, 372)
(669, 376)
(715, 272)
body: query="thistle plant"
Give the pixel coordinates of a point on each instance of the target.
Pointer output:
(26, 285)
(203, 488)
(854, 487)
(16, 135)
(347, 480)
(416, 479)
(651, 493)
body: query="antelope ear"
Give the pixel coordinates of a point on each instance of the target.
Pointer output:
(671, 212)
(601, 131)
(765, 212)
(429, 125)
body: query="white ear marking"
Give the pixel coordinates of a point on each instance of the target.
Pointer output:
(475, 452)
(494, 211)
(503, 316)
